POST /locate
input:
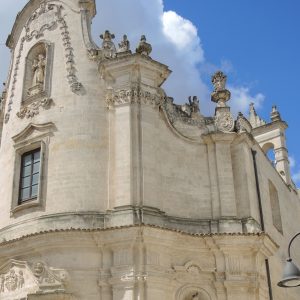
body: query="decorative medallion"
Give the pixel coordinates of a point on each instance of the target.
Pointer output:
(224, 121)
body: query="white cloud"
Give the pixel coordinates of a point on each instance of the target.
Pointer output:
(175, 42)
(183, 34)
(292, 162)
(296, 177)
(241, 99)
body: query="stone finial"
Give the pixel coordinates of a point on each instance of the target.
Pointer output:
(108, 46)
(220, 95)
(124, 45)
(254, 119)
(144, 47)
(275, 115)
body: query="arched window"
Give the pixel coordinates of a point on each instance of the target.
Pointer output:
(37, 72)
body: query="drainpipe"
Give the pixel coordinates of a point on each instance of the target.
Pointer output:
(262, 221)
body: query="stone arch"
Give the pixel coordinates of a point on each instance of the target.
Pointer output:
(269, 150)
(193, 292)
(32, 90)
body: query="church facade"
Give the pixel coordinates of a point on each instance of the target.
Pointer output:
(110, 190)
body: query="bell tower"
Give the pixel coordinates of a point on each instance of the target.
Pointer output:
(271, 137)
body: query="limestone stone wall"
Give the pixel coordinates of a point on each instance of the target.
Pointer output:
(139, 197)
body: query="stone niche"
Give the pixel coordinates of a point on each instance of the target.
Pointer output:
(36, 83)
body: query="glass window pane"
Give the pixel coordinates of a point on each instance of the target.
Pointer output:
(36, 156)
(25, 194)
(27, 160)
(35, 178)
(26, 171)
(34, 191)
(25, 182)
(36, 168)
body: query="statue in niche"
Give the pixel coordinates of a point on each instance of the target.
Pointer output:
(124, 45)
(38, 69)
(38, 78)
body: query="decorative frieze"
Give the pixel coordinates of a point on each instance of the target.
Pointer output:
(139, 96)
(33, 109)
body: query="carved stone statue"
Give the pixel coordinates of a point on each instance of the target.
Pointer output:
(124, 45)
(194, 103)
(219, 81)
(220, 95)
(108, 47)
(144, 47)
(38, 69)
(21, 279)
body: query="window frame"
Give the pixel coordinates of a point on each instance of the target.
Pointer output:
(22, 168)
(33, 136)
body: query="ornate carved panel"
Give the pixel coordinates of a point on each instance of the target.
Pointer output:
(19, 278)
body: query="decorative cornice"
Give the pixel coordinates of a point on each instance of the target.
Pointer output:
(142, 225)
(120, 97)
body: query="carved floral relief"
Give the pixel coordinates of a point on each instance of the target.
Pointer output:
(33, 109)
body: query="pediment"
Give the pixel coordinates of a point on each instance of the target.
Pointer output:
(19, 279)
(32, 131)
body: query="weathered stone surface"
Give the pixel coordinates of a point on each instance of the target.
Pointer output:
(139, 197)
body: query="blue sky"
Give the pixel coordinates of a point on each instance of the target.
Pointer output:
(256, 42)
